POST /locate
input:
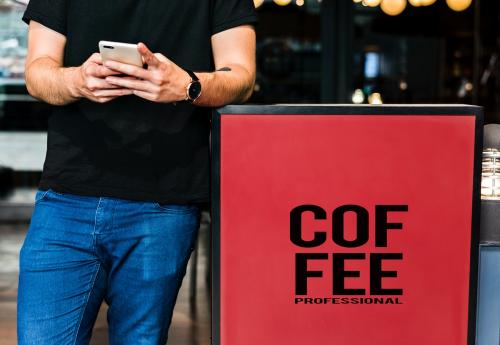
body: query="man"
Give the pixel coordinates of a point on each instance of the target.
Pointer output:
(128, 158)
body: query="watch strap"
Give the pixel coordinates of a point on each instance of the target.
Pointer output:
(192, 75)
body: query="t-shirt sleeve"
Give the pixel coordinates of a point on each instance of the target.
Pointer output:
(228, 14)
(49, 13)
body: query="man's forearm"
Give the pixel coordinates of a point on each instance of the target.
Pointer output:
(51, 83)
(232, 84)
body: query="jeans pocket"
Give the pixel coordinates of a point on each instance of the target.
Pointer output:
(176, 208)
(40, 195)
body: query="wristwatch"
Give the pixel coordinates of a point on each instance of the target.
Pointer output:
(193, 90)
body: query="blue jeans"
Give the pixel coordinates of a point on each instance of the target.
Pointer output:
(82, 250)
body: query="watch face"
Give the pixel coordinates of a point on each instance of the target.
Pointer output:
(194, 90)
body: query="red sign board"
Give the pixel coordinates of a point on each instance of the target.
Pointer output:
(345, 225)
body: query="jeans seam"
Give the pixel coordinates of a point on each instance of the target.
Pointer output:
(94, 240)
(92, 283)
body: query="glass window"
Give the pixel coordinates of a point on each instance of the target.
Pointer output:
(288, 52)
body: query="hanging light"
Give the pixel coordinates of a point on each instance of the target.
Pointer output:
(459, 5)
(282, 2)
(300, 2)
(418, 3)
(375, 98)
(358, 97)
(393, 7)
(357, 1)
(258, 3)
(372, 3)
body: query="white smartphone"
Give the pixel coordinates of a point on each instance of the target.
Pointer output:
(121, 52)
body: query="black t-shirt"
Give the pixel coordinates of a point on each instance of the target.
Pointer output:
(132, 148)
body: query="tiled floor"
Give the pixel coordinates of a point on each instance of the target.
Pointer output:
(191, 322)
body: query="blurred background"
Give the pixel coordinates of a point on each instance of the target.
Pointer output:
(309, 51)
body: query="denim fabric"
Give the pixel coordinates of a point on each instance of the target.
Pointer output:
(82, 250)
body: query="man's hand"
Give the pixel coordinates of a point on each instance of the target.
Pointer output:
(163, 81)
(47, 78)
(90, 81)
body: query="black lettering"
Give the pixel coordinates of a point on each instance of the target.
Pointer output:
(381, 224)
(296, 226)
(302, 273)
(339, 273)
(376, 273)
(338, 231)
